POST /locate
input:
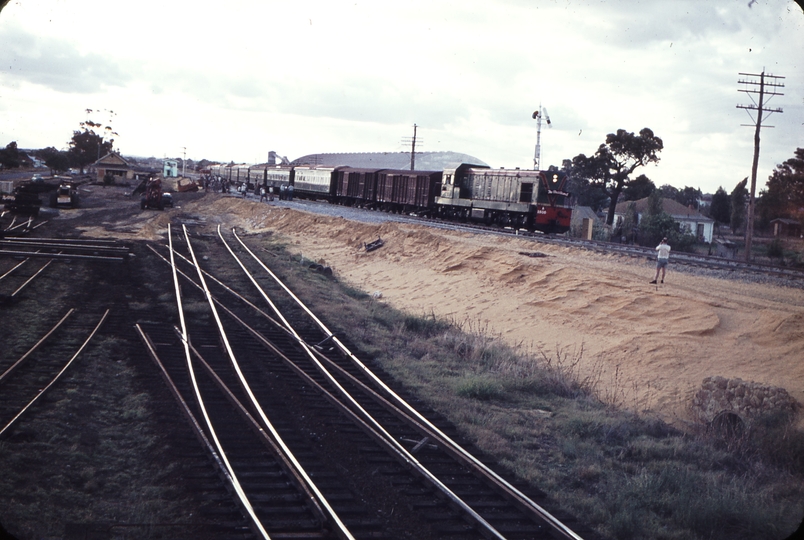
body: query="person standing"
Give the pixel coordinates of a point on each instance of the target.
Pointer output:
(662, 259)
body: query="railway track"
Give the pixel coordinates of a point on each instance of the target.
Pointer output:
(66, 249)
(43, 376)
(794, 276)
(27, 379)
(308, 411)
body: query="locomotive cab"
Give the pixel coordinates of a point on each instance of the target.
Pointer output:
(517, 198)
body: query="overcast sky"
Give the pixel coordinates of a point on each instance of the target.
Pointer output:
(233, 80)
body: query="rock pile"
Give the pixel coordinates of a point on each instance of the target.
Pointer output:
(744, 398)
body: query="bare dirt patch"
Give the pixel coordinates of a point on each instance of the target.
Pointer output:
(650, 346)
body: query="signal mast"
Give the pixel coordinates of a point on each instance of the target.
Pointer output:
(537, 115)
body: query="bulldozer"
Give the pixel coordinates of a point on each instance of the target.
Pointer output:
(152, 196)
(65, 196)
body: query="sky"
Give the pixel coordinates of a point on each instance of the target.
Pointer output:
(230, 81)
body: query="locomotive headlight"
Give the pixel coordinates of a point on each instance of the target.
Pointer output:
(555, 178)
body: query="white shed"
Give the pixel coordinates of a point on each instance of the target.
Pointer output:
(690, 219)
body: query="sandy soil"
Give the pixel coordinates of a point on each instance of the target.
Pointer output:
(650, 346)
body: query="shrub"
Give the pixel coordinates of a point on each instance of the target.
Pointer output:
(775, 249)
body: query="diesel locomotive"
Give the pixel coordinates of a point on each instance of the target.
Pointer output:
(518, 198)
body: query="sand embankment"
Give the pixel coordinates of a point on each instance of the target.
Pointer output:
(652, 346)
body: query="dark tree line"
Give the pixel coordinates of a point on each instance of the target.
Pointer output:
(86, 147)
(782, 197)
(600, 181)
(10, 156)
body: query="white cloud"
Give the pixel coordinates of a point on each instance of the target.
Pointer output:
(233, 82)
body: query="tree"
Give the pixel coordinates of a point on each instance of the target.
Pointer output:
(584, 193)
(669, 192)
(738, 205)
(654, 227)
(628, 227)
(86, 146)
(614, 161)
(784, 194)
(689, 197)
(638, 188)
(720, 210)
(10, 156)
(655, 204)
(56, 160)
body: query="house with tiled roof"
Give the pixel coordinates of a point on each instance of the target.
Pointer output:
(691, 221)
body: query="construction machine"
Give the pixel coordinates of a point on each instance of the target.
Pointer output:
(152, 197)
(65, 196)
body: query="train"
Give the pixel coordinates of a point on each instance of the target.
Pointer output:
(516, 198)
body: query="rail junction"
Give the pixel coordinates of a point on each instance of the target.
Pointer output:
(291, 416)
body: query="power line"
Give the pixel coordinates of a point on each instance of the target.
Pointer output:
(412, 143)
(758, 106)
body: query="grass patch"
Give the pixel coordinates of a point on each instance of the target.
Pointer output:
(89, 451)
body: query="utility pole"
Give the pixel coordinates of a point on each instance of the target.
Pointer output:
(412, 143)
(751, 88)
(413, 150)
(183, 159)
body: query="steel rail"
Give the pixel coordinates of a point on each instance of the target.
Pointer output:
(30, 220)
(197, 429)
(15, 267)
(33, 349)
(523, 500)
(232, 476)
(292, 467)
(76, 241)
(380, 436)
(425, 429)
(58, 375)
(60, 256)
(382, 440)
(683, 258)
(82, 247)
(409, 458)
(223, 285)
(30, 279)
(342, 530)
(408, 419)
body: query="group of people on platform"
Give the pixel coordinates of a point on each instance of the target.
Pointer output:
(218, 184)
(283, 191)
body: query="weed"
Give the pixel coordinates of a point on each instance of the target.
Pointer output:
(479, 388)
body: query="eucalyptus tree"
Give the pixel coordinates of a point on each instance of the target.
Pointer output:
(611, 166)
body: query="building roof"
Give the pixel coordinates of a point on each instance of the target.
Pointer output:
(112, 158)
(786, 221)
(670, 206)
(425, 161)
